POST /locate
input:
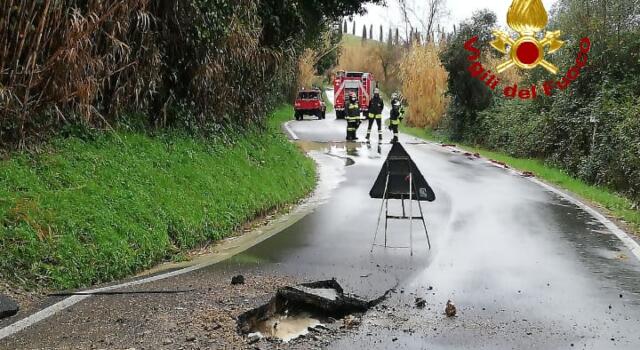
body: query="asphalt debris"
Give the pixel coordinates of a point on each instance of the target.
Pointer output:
(8, 307)
(450, 310)
(237, 280)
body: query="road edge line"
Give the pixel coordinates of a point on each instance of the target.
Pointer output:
(626, 239)
(622, 235)
(290, 131)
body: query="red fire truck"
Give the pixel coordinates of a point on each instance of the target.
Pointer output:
(361, 83)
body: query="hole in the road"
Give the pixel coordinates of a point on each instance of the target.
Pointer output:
(294, 310)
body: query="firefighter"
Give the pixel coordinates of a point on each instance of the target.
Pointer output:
(397, 114)
(353, 116)
(376, 106)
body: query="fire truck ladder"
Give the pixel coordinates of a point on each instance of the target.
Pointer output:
(385, 206)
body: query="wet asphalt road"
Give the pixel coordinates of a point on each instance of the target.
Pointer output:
(526, 268)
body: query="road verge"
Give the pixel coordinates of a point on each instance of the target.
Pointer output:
(613, 204)
(96, 209)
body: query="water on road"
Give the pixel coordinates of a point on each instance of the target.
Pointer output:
(526, 268)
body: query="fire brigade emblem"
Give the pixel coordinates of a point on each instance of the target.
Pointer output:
(527, 17)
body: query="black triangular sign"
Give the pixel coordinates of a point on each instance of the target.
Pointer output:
(398, 166)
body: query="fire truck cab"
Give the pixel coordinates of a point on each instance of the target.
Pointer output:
(362, 84)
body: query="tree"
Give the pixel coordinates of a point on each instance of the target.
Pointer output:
(415, 15)
(328, 52)
(353, 32)
(468, 95)
(389, 57)
(381, 34)
(344, 27)
(390, 37)
(364, 32)
(435, 10)
(397, 41)
(371, 31)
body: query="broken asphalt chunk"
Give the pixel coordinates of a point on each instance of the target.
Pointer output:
(450, 309)
(324, 301)
(8, 307)
(236, 280)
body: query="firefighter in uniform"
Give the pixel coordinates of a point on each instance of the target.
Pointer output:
(353, 117)
(376, 106)
(397, 114)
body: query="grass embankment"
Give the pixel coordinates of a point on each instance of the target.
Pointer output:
(89, 211)
(618, 206)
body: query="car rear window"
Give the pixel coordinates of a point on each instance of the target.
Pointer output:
(308, 95)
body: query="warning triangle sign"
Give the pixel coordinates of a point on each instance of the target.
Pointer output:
(395, 175)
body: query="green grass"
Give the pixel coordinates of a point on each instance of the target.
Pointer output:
(90, 211)
(353, 40)
(617, 205)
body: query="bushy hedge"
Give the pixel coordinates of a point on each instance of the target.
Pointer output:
(591, 130)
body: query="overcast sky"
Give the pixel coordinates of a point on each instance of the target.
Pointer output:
(458, 10)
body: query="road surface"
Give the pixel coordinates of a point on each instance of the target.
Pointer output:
(526, 267)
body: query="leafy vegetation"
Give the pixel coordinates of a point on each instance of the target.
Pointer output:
(194, 64)
(99, 207)
(591, 130)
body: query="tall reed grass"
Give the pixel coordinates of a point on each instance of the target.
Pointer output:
(424, 85)
(66, 62)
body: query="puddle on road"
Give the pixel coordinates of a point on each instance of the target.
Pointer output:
(287, 328)
(348, 151)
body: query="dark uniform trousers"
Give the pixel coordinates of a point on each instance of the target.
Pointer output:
(353, 120)
(397, 113)
(377, 118)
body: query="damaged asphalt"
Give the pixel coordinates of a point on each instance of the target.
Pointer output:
(526, 269)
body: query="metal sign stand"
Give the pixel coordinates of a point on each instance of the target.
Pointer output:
(385, 204)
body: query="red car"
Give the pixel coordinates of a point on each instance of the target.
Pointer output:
(309, 102)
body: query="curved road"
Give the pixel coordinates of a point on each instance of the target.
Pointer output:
(526, 267)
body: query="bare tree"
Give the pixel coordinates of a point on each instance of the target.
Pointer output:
(415, 16)
(436, 9)
(404, 10)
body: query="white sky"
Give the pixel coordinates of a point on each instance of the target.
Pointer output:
(458, 10)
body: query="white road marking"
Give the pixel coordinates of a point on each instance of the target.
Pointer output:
(290, 131)
(68, 302)
(629, 242)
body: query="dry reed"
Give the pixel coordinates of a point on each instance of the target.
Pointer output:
(424, 84)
